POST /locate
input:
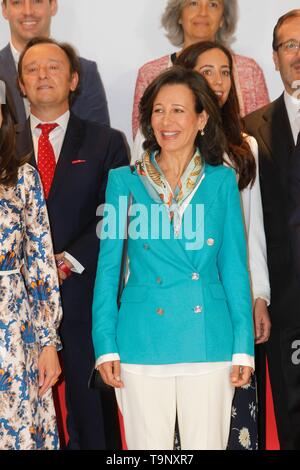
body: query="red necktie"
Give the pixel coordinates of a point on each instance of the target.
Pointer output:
(46, 157)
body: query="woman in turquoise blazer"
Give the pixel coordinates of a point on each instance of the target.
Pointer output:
(186, 309)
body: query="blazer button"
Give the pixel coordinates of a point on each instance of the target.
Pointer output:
(195, 276)
(210, 242)
(158, 280)
(160, 311)
(198, 309)
(146, 247)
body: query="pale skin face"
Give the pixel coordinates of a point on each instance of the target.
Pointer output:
(47, 81)
(201, 20)
(215, 68)
(176, 124)
(28, 19)
(288, 64)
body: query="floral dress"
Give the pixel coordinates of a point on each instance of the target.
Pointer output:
(30, 313)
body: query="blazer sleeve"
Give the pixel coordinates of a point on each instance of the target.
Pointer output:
(87, 244)
(105, 310)
(91, 104)
(256, 234)
(233, 270)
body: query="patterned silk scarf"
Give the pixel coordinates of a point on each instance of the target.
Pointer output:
(158, 187)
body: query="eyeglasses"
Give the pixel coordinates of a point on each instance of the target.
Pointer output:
(291, 46)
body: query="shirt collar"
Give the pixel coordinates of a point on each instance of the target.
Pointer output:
(62, 121)
(292, 105)
(15, 53)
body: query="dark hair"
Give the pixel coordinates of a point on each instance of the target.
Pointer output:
(213, 144)
(68, 50)
(9, 163)
(239, 150)
(290, 14)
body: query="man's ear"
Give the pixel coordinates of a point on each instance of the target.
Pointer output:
(4, 11)
(21, 88)
(74, 81)
(276, 60)
(54, 7)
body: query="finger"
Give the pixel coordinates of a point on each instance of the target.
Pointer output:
(235, 374)
(245, 377)
(46, 386)
(41, 375)
(108, 375)
(257, 330)
(117, 372)
(62, 275)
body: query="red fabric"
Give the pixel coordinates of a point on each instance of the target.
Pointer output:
(272, 442)
(46, 157)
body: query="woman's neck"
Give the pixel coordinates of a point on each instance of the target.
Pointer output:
(173, 165)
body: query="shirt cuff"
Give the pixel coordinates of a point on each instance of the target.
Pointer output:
(243, 360)
(107, 358)
(77, 267)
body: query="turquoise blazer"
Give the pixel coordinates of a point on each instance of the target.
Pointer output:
(179, 305)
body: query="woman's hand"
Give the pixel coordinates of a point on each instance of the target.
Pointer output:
(262, 322)
(240, 375)
(110, 373)
(49, 369)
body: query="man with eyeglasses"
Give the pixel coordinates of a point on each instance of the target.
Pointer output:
(277, 130)
(32, 18)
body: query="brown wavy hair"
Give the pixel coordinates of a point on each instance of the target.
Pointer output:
(212, 144)
(9, 163)
(240, 153)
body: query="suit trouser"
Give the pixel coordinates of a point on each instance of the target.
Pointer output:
(91, 426)
(203, 406)
(283, 353)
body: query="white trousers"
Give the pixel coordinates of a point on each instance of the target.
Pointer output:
(203, 405)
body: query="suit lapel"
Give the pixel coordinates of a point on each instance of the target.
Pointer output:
(277, 136)
(9, 73)
(70, 149)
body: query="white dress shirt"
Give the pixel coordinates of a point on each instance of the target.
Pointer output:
(56, 138)
(292, 105)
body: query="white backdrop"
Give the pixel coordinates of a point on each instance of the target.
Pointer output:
(121, 35)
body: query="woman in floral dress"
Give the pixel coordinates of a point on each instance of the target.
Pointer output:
(30, 310)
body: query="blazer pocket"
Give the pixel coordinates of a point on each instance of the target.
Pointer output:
(134, 294)
(217, 291)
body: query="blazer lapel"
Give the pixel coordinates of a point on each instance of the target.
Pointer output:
(205, 196)
(70, 149)
(277, 136)
(9, 73)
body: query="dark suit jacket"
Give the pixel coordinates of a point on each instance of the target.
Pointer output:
(270, 126)
(88, 153)
(90, 104)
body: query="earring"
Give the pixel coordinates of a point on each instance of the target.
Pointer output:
(202, 132)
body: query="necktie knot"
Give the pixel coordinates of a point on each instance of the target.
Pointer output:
(47, 128)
